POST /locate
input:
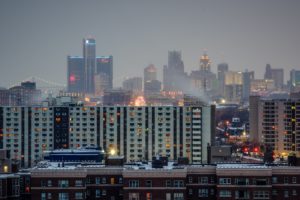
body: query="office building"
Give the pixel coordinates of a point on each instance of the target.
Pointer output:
(151, 85)
(76, 75)
(150, 73)
(294, 82)
(174, 78)
(233, 86)
(203, 79)
(134, 84)
(262, 86)
(89, 56)
(275, 123)
(25, 94)
(89, 74)
(247, 78)
(137, 133)
(102, 83)
(105, 67)
(275, 74)
(117, 97)
(222, 69)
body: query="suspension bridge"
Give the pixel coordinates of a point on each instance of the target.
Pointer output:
(46, 86)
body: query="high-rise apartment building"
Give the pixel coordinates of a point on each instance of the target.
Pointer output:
(275, 123)
(137, 133)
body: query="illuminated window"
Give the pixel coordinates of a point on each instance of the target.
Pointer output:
(112, 181)
(148, 196)
(5, 169)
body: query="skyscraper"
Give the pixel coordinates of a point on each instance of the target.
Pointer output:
(89, 56)
(222, 68)
(75, 74)
(275, 74)
(205, 63)
(151, 84)
(294, 80)
(134, 84)
(247, 78)
(150, 73)
(203, 78)
(105, 66)
(174, 78)
(90, 74)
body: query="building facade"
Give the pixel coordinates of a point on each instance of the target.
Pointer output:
(75, 74)
(137, 133)
(278, 124)
(25, 94)
(231, 181)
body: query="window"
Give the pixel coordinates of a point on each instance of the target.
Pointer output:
(78, 195)
(286, 194)
(78, 183)
(120, 180)
(261, 195)
(274, 179)
(148, 183)
(190, 191)
(203, 180)
(97, 193)
(225, 181)
(49, 183)
(148, 196)
(286, 180)
(49, 195)
(63, 196)
(103, 192)
(103, 180)
(294, 193)
(242, 181)
(112, 181)
(178, 183)
(225, 193)
(63, 183)
(294, 180)
(168, 183)
(97, 180)
(43, 183)
(134, 196)
(274, 192)
(43, 196)
(133, 183)
(203, 193)
(178, 196)
(190, 179)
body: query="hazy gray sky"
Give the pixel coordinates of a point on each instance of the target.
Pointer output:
(36, 35)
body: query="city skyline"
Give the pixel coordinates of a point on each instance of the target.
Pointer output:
(36, 37)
